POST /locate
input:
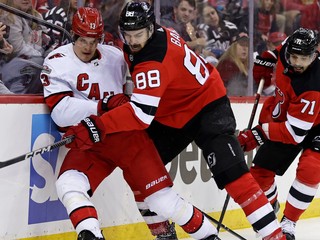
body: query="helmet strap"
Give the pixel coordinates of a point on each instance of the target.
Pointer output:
(151, 29)
(74, 37)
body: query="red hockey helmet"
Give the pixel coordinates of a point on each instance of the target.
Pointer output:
(87, 22)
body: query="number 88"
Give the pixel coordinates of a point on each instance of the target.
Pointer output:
(151, 79)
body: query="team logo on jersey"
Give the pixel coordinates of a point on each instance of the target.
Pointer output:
(44, 205)
(95, 62)
(279, 99)
(46, 69)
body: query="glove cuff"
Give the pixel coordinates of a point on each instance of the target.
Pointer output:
(103, 105)
(265, 62)
(259, 135)
(94, 132)
(269, 90)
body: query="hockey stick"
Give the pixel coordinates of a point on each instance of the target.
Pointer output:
(253, 113)
(223, 226)
(42, 150)
(256, 101)
(34, 65)
(35, 19)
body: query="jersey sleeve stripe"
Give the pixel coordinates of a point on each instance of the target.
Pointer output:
(298, 127)
(297, 138)
(143, 117)
(145, 99)
(150, 110)
(144, 106)
(54, 99)
(298, 123)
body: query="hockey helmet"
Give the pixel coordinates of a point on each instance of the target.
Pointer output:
(87, 22)
(303, 42)
(135, 16)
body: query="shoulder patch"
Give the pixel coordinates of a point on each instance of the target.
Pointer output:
(57, 55)
(46, 69)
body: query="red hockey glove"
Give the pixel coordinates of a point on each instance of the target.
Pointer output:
(250, 139)
(111, 102)
(91, 130)
(263, 68)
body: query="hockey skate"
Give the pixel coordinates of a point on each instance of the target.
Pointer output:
(170, 235)
(212, 237)
(87, 235)
(288, 228)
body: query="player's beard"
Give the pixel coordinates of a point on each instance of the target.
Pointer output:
(135, 48)
(299, 69)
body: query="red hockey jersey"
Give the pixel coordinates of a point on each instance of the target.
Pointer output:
(294, 109)
(172, 84)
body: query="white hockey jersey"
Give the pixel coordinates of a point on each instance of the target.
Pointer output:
(72, 88)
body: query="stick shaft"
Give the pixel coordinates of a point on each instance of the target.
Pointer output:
(224, 227)
(35, 19)
(42, 150)
(256, 102)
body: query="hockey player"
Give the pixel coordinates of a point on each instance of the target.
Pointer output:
(289, 124)
(79, 81)
(5, 48)
(180, 98)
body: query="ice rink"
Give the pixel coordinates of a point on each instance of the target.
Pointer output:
(306, 230)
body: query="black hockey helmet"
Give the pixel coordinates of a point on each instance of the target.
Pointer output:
(135, 16)
(303, 41)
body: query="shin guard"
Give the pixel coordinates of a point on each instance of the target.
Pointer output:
(255, 205)
(167, 203)
(157, 225)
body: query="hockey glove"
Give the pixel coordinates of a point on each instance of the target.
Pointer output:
(111, 102)
(91, 130)
(250, 139)
(263, 68)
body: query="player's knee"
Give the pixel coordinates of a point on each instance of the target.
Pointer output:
(164, 202)
(72, 181)
(231, 174)
(309, 167)
(236, 189)
(225, 159)
(264, 177)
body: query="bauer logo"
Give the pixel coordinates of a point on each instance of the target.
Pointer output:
(44, 205)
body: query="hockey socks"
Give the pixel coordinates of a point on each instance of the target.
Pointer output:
(256, 206)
